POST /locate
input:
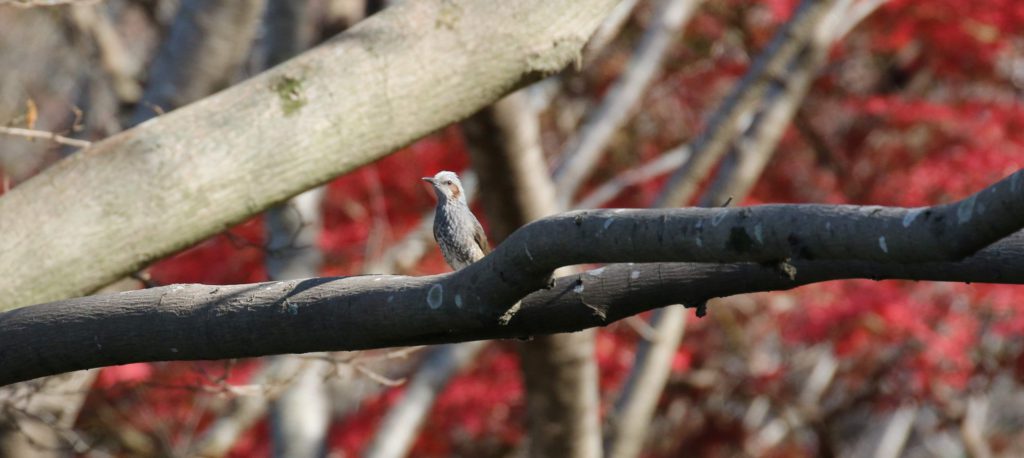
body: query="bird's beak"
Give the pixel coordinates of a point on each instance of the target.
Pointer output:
(428, 180)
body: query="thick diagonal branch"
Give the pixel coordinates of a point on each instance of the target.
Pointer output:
(177, 179)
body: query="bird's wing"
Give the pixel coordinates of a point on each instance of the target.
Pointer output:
(480, 238)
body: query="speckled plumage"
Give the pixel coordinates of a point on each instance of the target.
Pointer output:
(456, 230)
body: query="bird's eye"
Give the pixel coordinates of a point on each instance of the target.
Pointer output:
(448, 183)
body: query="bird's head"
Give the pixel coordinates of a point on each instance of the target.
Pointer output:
(447, 186)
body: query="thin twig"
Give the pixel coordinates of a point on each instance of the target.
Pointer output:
(663, 164)
(379, 378)
(44, 3)
(45, 135)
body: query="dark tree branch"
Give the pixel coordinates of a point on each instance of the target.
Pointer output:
(187, 322)
(824, 242)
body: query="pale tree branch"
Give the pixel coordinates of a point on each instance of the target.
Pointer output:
(122, 204)
(300, 416)
(639, 396)
(972, 428)
(897, 432)
(820, 241)
(542, 93)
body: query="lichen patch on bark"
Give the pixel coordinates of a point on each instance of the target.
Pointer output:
(289, 92)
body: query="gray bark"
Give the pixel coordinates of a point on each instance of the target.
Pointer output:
(153, 190)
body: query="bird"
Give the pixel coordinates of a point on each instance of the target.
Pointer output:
(457, 231)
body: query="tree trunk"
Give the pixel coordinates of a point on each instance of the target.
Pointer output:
(559, 371)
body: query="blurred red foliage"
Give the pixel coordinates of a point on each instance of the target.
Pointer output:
(941, 123)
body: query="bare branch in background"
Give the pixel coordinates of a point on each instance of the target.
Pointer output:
(973, 426)
(272, 380)
(46, 3)
(397, 432)
(120, 64)
(639, 396)
(301, 414)
(609, 29)
(44, 135)
(207, 44)
(725, 123)
(897, 432)
(664, 163)
(584, 151)
(38, 416)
